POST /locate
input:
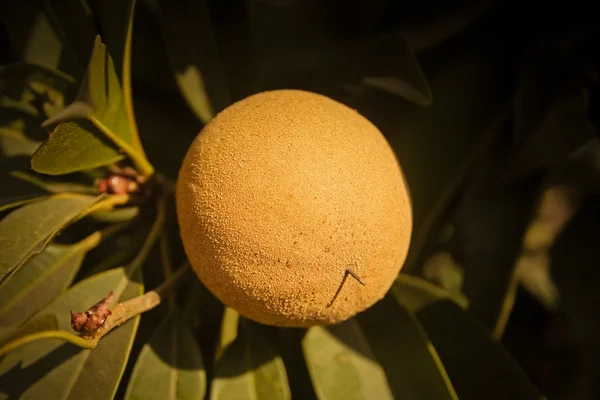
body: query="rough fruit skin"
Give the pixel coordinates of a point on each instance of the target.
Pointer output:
(279, 195)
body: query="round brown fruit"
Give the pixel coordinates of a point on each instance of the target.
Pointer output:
(283, 194)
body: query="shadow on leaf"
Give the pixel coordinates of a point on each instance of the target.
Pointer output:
(18, 379)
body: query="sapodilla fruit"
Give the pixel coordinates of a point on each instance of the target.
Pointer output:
(286, 202)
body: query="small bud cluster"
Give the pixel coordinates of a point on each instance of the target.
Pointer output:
(88, 322)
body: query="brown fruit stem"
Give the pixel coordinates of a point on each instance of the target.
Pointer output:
(128, 309)
(121, 313)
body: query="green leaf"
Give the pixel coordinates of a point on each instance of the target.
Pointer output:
(103, 103)
(118, 215)
(100, 96)
(14, 143)
(196, 68)
(342, 365)
(54, 369)
(249, 368)
(172, 361)
(104, 97)
(415, 293)
(41, 279)
(42, 323)
(115, 18)
(229, 330)
(192, 86)
(78, 145)
(72, 147)
(478, 367)
(394, 335)
(26, 231)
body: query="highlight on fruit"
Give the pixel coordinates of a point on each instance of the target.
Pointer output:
(293, 209)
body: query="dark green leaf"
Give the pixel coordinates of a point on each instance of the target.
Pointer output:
(72, 147)
(13, 111)
(289, 344)
(546, 72)
(304, 49)
(564, 128)
(575, 259)
(116, 251)
(415, 293)
(71, 185)
(159, 112)
(172, 361)
(29, 94)
(249, 368)
(75, 26)
(47, 90)
(196, 68)
(400, 345)
(20, 129)
(41, 279)
(439, 146)
(478, 367)
(26, 231)
(53, 369)
(36, 44)
(552, 100)
(494, 239)
(342, 365)
(16, 192)
(405, 79)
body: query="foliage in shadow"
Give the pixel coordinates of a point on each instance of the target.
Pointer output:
(465, 348)
(29, 125)
(575, 271)
(289, 344)
(18, 379)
